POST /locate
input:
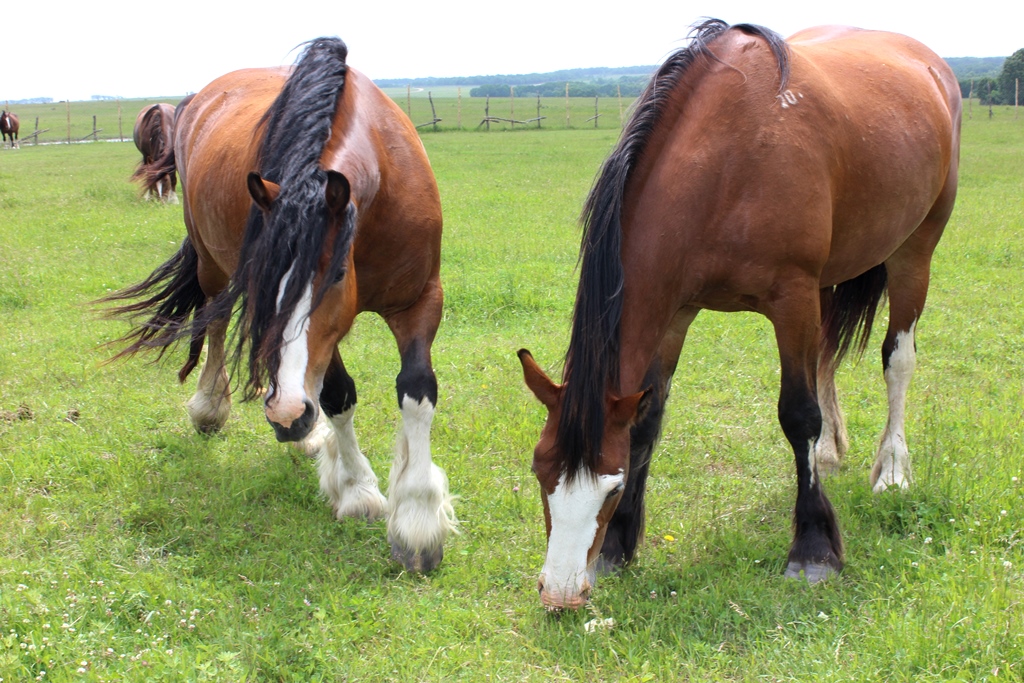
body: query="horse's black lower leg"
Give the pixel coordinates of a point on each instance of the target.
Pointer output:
(817, 548)
(626, 527)
(339, 390)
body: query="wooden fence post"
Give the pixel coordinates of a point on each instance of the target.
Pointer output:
(35, 138)
(487, 113)
(596, 114)
(433, 112)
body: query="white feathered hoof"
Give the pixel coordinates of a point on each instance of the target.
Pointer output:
(361, 501)
(420, 519)
(811, 572)
(208, 417)
(419, 561)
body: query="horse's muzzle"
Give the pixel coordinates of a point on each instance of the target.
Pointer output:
(300, 428)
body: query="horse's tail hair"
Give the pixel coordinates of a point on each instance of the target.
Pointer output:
(161, 320)
(848, 313)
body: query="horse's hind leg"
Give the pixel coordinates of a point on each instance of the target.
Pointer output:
(421, 514)
(626, 527)
(346, 477)
(817, 548)
(833, 442)
(210, 406)
(908, 272)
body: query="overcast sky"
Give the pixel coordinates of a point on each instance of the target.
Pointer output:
(142, 48)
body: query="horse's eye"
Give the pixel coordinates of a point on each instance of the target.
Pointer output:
(615, 491)
(339, 276)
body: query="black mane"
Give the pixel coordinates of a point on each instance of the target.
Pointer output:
(592, 360)
(296, 130)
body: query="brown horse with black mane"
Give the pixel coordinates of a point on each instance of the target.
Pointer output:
(308, 199)
(154, 138)
(9, 126)
(798, 179)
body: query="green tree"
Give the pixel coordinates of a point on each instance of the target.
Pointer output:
(1013, 71)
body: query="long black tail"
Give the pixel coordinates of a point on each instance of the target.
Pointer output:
(848, 313)
(174, 297)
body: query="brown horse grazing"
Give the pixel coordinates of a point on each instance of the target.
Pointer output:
(308, 199)
(154, 136)
(9, 126)
(798, 179)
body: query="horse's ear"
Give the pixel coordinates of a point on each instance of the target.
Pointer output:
(628, 409)
(338, 193)
(263, 192)
(540, 384)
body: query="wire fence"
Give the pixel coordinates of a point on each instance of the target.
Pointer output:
(450, 109)
(95, 120)
(71, 122)
(447, 109)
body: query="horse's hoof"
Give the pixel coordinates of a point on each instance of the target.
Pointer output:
(812, 573)
(421, 562)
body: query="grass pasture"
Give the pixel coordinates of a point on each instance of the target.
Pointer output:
(132, 549)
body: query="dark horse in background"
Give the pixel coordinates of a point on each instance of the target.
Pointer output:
(799, 179)
(9, 126)
(308, 198)
(154, 138)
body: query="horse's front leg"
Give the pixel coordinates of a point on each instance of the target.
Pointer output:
(346, 477)
(421, 514)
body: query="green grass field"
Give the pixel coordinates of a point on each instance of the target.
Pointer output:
(132, 549)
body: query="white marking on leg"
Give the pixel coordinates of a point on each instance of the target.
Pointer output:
(892, 464)
(832, 444)
(812, 465)
(287, 403)
(421, 512)
(574, 507)
(210, 406)
(346, 477)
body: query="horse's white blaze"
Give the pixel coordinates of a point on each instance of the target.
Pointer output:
(421, 512)
(574, 508)
(892, 464)
(287, 403)
(346, 477)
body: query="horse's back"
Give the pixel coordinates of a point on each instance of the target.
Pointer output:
(826, 176)
(216, 143)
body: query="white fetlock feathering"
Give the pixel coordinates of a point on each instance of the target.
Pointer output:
(421, 514)
(346, 477)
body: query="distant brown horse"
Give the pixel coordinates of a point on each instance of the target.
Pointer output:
(9, 126)
(308, 199)
(798, 179)
(154, 138)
